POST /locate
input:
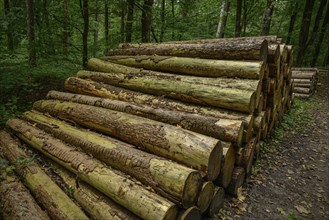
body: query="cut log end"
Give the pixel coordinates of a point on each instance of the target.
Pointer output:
(205, 196)
(216, 202)
(228, 162)
(237, 181)
(214, 163)
(191, 189)
(192, 213)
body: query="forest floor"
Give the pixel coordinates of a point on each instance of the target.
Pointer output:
(291, 178)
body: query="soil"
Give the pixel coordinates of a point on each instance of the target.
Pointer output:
(296, 183)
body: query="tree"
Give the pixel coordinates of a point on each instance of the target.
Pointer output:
(163, 5)
(85, 15)
(130, 17)
(223, 18)
(292, 20)
(238, 18)
(267, 18)
(30, 33)
(66, 32)
(106, 23)
(123, 17)
(10, 38)
(146, 20)
(96, 28)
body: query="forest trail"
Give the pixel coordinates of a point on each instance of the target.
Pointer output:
(296, 184)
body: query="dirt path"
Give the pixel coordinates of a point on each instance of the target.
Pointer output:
(293, 177)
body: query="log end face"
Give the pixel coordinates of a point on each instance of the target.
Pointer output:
(171, 213)
(217, 202)
(192, 213)
(205, 196)
(214, 162)
(192, 189)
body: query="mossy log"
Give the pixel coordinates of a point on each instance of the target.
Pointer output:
(205, 196)
(252, 49)
(233, 99)
(217, 202)
(223, 129)
(237, 181)
(107, 91)
(96, 204)
(16, 202)
(228, 161)
(192, 213)
(302, 90)
(303, 85)
(192, 66)
(303, 75)
(306, 69)
(115, 185)
(192, 149)
(49, 195)
(302, 96)
(151, 170)
(303, 81)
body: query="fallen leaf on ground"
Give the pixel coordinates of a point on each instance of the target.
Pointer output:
(282, 212)
(302, 209)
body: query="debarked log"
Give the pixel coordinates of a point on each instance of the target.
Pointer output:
(221, 128)
(171, 180)
(234, 99)
(186, 147)
(49, 195)
(115, 185)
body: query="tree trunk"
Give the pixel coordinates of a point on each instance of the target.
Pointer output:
(304, 30)
(142, 166)
(228, 161)
(103, 90)
(190, 66)
(252, 49)
(10, 37)
(130, 19)
(237, 181)
(292, 21)
(223, 18)
(267, 18)
(233, 99)
(163, 5)
(195, 150)
(106, 23)
(173, 17)
(238, 18)
(318, 43)
(85, 14)
(244, 17)
(123, 17)
(30, 33)
(91, 200)
(223, 129)
(217, 202)
(50, 196)
(66, 32)
(95, 49)
(205, 196)
(146, 20)
(115, 185)
(192, 213)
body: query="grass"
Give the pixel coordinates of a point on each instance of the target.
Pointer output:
(21, 85)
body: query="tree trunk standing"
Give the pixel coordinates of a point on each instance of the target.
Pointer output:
(223, 18)
(45, 17)
(96, 28)
(10, 37)
(267, 18)
(123, 17)
(106, 23)
(146, 20)
(130, 18)
(30, 33)
(173, 17)
(305, 26)
(85, 13)
(320, 40)
(244, 18)
(163, 5)
(292, 22)
(66, 33)
(238, 18)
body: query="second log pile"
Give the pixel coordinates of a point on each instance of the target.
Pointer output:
(162, 130)
(305, 81)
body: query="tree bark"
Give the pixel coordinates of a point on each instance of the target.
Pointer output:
(66, 32)
(267, 18)
(146, 20)
(10, 37)
(162, 30)
(189, 66)
(106, 23)
(123, 17)
(195, 150)
(91, 200)
(223, 18)
(130, 18)
(30, 33)
(238, 18)
(223, 129)
(292, 21)
(173, 17)
(244, 17)
(251, 49)
(217, 202)
(85, 14)
(192, 213)
(205, 196)
(103, 90)
(237, 181)
(233, 99)
(151, 170)
(95, 49)
(50, 196)
(304, 30)
(115, 185)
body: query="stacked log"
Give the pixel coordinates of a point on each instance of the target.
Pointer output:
(305, 82)
(162, 136)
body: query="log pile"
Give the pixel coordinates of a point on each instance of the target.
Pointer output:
(305, 81)
(161, 136)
